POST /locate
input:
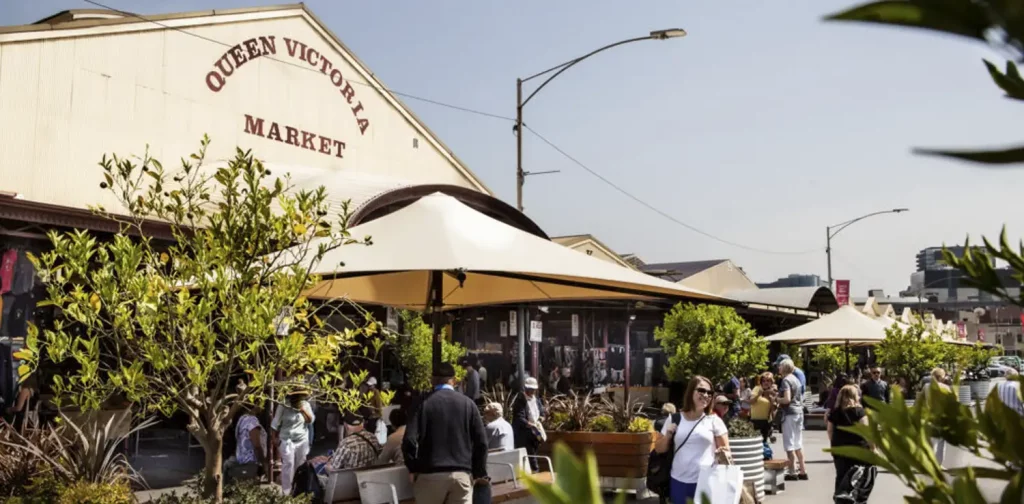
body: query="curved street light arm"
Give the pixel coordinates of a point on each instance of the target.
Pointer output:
(569, 64)
(844, 225)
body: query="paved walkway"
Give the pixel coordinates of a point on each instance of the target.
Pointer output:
(822, 473)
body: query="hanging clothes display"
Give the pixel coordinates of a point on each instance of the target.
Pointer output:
(7, 262)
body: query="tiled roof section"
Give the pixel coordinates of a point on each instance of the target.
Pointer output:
(678, 271)
(634, 261)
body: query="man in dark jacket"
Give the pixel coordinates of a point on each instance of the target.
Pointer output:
(445, 445)
(875, 388)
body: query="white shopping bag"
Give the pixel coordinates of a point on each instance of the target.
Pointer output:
(722, 484)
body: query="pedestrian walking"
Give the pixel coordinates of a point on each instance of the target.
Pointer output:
(445, 445)
(875, 387)
(291, 434)
(854, 479)
(696, 435)
(763, 404)
(471, 382)
(527, 420)
(1009, 392)
(938, 379)
(792, 421)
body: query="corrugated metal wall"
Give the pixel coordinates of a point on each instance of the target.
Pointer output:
(66, 102)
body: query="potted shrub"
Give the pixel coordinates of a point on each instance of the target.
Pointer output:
(618, 435)
(747, 449)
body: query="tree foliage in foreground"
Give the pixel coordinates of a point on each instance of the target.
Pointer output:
(711, 341)
(997, 433)
(414, 349)
(215, 319)
(995, 22)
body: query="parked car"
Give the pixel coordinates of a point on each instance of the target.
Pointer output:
(1009, 361)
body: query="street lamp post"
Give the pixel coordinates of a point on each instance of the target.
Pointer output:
(558, 69)
(829, 234)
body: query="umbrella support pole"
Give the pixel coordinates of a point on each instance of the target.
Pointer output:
(436, 302)
(521, 348)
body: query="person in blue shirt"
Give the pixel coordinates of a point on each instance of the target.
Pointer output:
(799, 373)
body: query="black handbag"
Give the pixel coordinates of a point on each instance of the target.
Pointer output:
(659, 465)
(482, 493)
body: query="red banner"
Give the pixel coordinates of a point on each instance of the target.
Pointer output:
(1022, 321)
(843, 292)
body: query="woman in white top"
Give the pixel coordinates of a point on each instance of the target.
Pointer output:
(697, 438)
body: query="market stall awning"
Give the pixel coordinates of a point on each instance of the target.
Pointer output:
(847, 324)
(484, 262)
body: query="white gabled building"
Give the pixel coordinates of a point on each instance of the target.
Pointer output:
(84, 83)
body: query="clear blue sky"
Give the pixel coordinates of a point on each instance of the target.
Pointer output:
(763, 126)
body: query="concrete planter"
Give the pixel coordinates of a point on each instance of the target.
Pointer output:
(980, 389)
(748, 453)
(964, 394)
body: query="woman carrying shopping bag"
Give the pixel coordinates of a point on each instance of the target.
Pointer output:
(696, 439)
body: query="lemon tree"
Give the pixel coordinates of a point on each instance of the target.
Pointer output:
(211, 320)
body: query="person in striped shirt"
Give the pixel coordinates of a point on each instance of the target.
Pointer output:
(1009, 393)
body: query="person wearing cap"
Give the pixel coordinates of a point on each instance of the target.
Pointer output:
(358, 448)
(722, 407)
(374, 422)
(291, 434)
(527, 418)
(445, 444)
(499, 431)
(797, 372)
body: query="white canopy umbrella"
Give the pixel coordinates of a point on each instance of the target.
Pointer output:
(480, 262)
(845, 326)
(439, 254)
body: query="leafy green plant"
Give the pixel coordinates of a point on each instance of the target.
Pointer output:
(711, 341)
(911, 353)
(504, 396)
(209, 322)
(742, 428)
(573, 411)
(829, 359)
(67, 455)
(621, 413)
(602, 423)
(85, 492)
(640, 424)
(997, 22)
(576, 481)
(414, 350)
(234, 493)
(902, 435)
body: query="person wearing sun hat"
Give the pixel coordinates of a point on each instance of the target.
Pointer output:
(527, 420)
(290, 432)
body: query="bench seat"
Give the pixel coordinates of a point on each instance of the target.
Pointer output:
(773, 469)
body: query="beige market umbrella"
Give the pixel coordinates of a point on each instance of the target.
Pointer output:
(439, 254)
(845, 326)
(479, 261)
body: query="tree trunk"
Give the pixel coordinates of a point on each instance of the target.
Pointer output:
(214, 483)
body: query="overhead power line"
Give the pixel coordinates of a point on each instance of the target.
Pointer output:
(460, 108)
(657, 210)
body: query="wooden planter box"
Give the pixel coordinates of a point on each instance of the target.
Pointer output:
(619, 454)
